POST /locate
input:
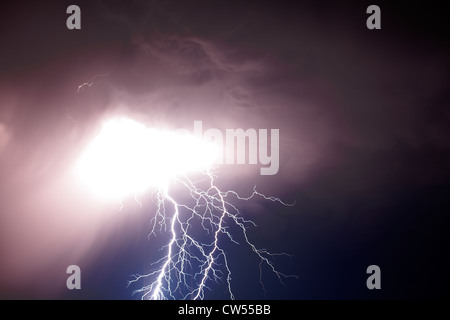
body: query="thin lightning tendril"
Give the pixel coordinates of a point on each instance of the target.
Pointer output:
(92, 82)
(188, 265)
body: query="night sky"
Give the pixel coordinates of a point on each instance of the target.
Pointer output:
(364, 124)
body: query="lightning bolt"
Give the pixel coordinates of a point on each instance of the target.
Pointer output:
(188, 265)
(197, 217)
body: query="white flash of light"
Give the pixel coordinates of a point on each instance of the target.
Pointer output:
(129, 158)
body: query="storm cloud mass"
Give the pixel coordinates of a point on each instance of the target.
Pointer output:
(364, 124)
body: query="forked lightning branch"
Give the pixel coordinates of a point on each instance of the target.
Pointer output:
(130, 159)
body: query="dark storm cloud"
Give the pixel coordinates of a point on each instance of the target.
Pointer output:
(338, 93)
(327, 85)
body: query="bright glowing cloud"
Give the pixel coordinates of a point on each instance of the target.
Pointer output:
(127, 157)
